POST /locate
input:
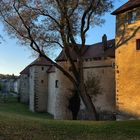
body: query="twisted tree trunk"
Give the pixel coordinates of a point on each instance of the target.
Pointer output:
(83, 93)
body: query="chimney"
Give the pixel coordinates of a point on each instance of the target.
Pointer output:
(104, 42)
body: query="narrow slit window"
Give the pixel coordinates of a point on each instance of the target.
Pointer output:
(138, 44)
(56, 83)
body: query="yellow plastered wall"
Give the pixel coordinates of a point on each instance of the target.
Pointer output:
(127, 66)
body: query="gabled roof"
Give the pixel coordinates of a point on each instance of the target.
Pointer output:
(127, 6)
(92, 51)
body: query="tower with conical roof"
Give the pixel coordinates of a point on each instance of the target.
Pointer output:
(38, 81)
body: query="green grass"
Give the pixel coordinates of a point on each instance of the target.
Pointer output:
(17, 123)
(12, 107)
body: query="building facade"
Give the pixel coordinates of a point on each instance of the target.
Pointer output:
(127, 59)
(99, 63)
(48, 89)
(115, 64)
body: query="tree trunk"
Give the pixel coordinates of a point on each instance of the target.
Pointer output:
(84, 95)
(74, 104)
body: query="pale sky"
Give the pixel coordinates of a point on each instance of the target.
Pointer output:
(14, 57)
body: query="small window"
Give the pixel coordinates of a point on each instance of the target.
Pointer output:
(42, 81)
(132, 17)
(138, 44)
(56, 83)
(42, 68)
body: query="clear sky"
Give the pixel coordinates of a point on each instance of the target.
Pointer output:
(14, 57)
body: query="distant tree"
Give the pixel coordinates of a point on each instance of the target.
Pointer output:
(43, 24)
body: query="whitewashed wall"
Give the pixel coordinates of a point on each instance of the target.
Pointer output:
(62, 94)
(51, 93)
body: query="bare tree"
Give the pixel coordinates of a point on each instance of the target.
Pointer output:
(42, 24)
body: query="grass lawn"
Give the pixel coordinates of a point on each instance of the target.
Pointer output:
(17, 123)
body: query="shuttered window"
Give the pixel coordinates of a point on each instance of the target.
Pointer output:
(138, 44)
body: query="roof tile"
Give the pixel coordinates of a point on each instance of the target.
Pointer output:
(40, 61)
(92, 51)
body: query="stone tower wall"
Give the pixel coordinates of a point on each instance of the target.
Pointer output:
(128, 66)
(24, 88)
(51, 93)
(31, 89)
(38, 88)
(62, 94)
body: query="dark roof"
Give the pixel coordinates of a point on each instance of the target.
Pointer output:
(51, 69)
(25, 71)
(93, 51)
(127, 6)
(40, 61)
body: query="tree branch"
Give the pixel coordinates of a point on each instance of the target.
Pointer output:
(40, 52)
(27, 28)
(41, 12)
(83, 23)
(76, 5)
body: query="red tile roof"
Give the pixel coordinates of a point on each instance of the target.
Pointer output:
(93, 51)
(127, 6)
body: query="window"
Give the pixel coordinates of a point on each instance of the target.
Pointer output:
(42, 81)
(42, 68)
(132, 17)
(138, 44)
(56, 83)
